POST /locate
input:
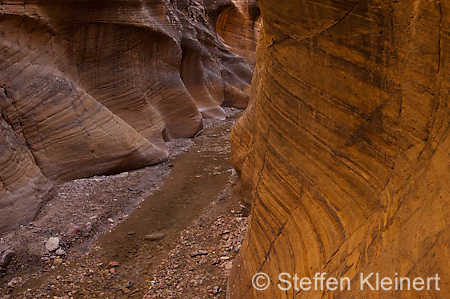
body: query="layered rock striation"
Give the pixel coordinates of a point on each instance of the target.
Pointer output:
(238, 27)
(98, 87)
(344, 149)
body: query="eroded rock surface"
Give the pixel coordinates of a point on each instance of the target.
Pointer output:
(23, 187)
(345, 146)
(97, 87)
(238, 27)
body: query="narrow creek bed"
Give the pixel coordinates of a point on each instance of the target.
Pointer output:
(179, 242)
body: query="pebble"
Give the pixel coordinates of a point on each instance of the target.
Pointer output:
(52, 244)
(6, 258)
(60, 252)
(228, 265)
(199, 252)
(216, 290)
(122, 175)
(57, 261)
(84, 292)
(126, 291)
(216, 262)
(155, 236)
(72, 230)
(110, 220)
(86, 229)
(15, 282)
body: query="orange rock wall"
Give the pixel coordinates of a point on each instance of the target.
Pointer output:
(344, 149)
(97, 87)
(238, 27)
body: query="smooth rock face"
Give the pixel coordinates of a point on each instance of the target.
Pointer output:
(345, 146)
(97, 87)
(238, 27)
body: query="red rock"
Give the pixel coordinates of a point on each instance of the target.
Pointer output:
(90, 88)
(72, 230)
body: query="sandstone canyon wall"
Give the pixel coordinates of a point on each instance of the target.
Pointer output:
(238, 27)
(345, 146)
(98, 87)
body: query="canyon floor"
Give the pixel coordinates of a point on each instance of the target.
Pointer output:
(167, 231)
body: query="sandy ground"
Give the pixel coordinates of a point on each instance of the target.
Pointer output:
(167, 231)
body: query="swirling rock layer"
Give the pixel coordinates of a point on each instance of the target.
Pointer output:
(97, 87)
(345, 146)
(238, 26)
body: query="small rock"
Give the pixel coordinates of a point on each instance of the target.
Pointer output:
(15, 282)
(216, 290)
(131, 233)
(224, 258)
(6, 258)
(155, 236)
(123, 175)
(86, 229)
(216, 262)
(112, 271)
(110, 220)
(228, 265)
(72, 230)
(57, 261)
(113, 264)
(125, 291)
(60, 252)
(52, 244)
(199, 252)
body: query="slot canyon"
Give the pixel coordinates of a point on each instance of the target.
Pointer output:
(184, 148)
